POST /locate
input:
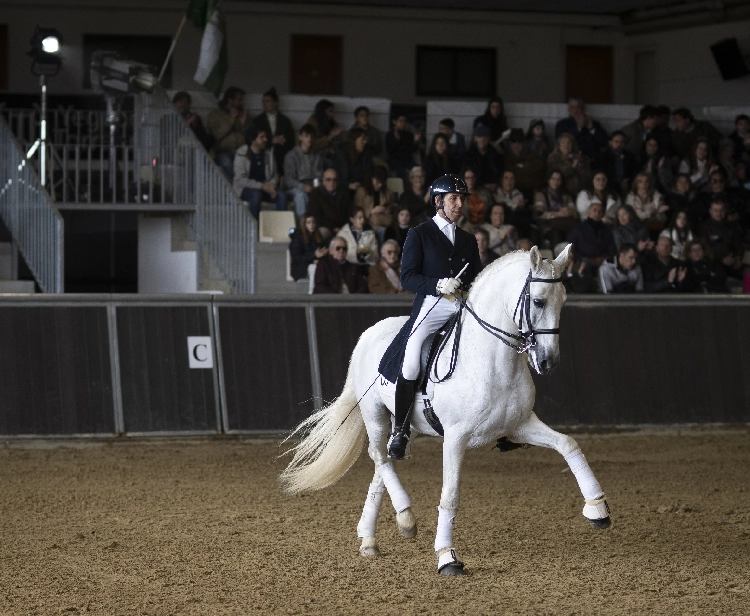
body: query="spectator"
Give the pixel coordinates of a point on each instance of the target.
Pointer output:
(401, 143)
(647, 202)
(438, 161)
(661, 271)
(650, 160)
(740, 136)
(687, 130)
(385, 276)
(619, 164)
(537, 142)
(698, 164)
(572, 163)
(528, 170)
(629, 230)
(306, 248)
(329, 205)
(375, 199)
(477, 205)
(662, 131)
(592, 240)
(416, 198)
(502, 238)
(554, 209)
(579, 278)
(400, 226)
(702, 273)
(182, 102)
(456, 141)
(678, 197)
(328, 133)
(679, 233)
(638, 130)
(520, 215)
(374, 138)
(624, 275)
(352, 160)
(303, 169)
(228, 125)
(525, 244)
(255, 176)
(494, 120)
(334, 274)
(726, 161)
(589, 135)
(723, 239)
(360, 238)
(598, 192)
(277, 125)
(486, 162)
(717, 186)
(486, 256)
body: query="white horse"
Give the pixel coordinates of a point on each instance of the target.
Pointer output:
(489, 395)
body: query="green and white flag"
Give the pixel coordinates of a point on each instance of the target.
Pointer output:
(212, 63)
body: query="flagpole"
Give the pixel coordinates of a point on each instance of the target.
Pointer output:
(171, 47)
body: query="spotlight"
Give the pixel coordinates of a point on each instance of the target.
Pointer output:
(113, 74)
(45, 51)
(51, 44)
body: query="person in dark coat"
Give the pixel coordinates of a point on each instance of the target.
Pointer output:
(335, 274)
(277, 126)
(307, 246)
(329, 204)
(592, 240)
(589, 135)
(660, 268)
(432, 266)
(617, 163)
(484, 159)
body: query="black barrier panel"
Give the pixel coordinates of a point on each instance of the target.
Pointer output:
(55, 374)
(649, 365)
(266, 363)
(160, 392)
(338, 329)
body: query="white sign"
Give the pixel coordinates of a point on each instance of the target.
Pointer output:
(200, 352)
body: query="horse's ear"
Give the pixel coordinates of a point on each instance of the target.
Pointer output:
(563, 257)
(536, 259)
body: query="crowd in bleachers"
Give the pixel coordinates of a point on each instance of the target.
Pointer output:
(661, 205)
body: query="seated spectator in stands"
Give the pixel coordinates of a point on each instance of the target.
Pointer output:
(723, 239)
(571, 162)
(527, 169)
(486, 162)
(334, 274)
(416, 197)
(647, 202)
(277, 125)
(494, 120)
(740, 136)
(303, 170)
(679, 196)
(588, 134)
(400, 144)
(592, 240)
(554, 209)
(400, 226)
(385, 276)
(352, 160)
(624, 275)
(438, 160)
(375, 199)
(503, 238)
(726, 161)
(255, 175)
(660, 269)
(717, 189)
(329, 204)
(537, 142)
(619, 164)
(486, 256)
(360, 238)
(687, 130)
(662, 130)
(698, 164)
(477, 204)
(525, 244)
(328, 133)
(228, 125)
(520, 214)
(580, 278)
(374, 138)
(679, 233)
(702, 274)
(650, 160)
(306, 248)
(182, 102)
(456, 141)
(598, 192)
(629, 230)
(638, 130)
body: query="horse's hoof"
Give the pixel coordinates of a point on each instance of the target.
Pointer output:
(601, 523)
(407, 524)
(448, 562)
(597, 512)
(452, 570)
(369, 547)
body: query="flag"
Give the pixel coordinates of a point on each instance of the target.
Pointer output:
(212, 63)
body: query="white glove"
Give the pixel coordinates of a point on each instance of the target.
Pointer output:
(447, 286)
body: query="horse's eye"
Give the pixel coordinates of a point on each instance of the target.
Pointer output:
(539, 303)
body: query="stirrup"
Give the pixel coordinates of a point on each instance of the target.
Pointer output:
(398, 445)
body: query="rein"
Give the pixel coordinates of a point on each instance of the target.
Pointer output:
(525, 339)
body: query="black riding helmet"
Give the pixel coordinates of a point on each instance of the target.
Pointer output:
(447, 184)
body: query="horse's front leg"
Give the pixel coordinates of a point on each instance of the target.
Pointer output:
(454, 447)
(535, 432)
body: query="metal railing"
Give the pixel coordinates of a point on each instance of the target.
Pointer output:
(29, 214)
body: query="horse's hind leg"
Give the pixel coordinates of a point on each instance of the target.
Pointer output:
(535, 432)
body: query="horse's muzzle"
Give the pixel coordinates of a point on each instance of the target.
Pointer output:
(545, 365)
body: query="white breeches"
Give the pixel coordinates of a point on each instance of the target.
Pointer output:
(437, 310)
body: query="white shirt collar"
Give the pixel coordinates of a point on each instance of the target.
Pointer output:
(442, 222)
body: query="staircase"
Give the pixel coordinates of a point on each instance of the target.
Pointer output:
(272, 270)
(7, 283)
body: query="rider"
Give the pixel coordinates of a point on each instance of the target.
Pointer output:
(434, 255)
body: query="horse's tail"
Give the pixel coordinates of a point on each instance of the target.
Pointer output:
(334, 437)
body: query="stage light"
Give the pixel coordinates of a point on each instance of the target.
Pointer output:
(51, 44)
(45, 51)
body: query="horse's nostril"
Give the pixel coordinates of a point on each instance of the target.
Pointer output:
(544, 365)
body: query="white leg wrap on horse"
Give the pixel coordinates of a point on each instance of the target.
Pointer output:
(444, 534)
(369, 519)
(399, 498)
(588, 484)
(596, 509)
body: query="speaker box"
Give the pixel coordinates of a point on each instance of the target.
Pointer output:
(729, 59)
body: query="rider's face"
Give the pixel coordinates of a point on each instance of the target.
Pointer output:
(452, 204)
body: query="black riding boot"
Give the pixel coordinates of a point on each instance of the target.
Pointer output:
(405, 391)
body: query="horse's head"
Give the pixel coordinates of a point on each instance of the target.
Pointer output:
(545, 303)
